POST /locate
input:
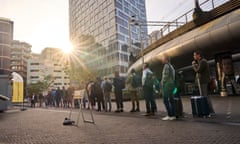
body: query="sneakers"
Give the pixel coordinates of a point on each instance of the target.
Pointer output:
(172, 118)
(166, 118)
(169, 118)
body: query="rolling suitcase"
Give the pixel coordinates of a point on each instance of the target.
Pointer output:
(178, 107)
(200, 107)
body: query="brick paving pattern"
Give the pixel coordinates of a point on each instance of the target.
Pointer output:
(44, 126)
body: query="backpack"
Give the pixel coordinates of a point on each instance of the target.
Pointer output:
(136, 81)
(149, 81)
(118, 83)
(107, 87)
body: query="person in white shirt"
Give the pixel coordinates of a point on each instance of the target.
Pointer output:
(147, 83)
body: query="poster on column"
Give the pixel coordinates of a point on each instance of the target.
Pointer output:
(17, 92)
(17, 88)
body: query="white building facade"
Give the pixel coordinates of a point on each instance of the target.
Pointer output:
(48, 63)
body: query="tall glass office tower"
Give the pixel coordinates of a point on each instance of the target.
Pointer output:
(99, 30)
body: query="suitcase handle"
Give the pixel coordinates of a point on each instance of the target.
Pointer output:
(199, 85)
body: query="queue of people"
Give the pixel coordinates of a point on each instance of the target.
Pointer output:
(55, 98)
(98, 92)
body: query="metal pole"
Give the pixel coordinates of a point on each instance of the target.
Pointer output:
(141, 44)
(130, 34)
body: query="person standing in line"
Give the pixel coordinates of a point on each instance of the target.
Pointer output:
(58, 97)
(107, 89)
(119, 85)
(201, 67)
(168, 83)
(70, 93)
(147, 83)
(98, 94)
(41, 98)
(53, 94)
(133, 82)
(238, 80)
(33, 100)
(64, 96)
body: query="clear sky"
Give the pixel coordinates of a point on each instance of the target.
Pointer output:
(44, 23)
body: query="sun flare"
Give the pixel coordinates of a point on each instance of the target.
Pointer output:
(67, 48)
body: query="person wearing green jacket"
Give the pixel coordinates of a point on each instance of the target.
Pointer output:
(168, 83)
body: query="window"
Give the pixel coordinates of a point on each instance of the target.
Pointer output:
(122, 22)
(34, 70)
(34, 64)
(124, 47)
(122, 15)
(123, 30)
(118, 5)
(34, 77)
(121, 37)
(57, 71)
(57, 77)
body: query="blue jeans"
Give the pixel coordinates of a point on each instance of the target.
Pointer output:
(168, 98)
(170, 105)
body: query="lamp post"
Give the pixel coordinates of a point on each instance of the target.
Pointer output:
(133, 21)
(130, 21)
(141, 44)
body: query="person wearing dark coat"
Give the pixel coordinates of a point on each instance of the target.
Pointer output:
(201, 68)
(119, 85)
(58, 97)
(98, 93)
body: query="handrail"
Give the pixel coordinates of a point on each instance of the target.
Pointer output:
(187, 17)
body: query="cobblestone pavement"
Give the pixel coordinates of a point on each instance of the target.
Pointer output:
(44, 126)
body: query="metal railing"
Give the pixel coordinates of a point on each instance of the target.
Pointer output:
(205, 5)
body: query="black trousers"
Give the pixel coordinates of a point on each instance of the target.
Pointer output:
(119, 99)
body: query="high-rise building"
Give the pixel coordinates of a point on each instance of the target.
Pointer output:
(154, 36)
(48, 63)
(20, 53)
(6, 37)
(99, 30)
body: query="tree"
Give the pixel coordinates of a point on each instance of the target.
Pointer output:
(40, 86)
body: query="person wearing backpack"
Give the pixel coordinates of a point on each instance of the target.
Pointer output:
(119, 85)
(147, 83)
(168, 84)
(107, 88)
(133, 82)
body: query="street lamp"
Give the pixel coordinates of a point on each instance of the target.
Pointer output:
(130, 21)
(133, 21)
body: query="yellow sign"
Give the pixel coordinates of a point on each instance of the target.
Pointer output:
(17, 92)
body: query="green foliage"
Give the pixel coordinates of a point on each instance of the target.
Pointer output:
(40, 86)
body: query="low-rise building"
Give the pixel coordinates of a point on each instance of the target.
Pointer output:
(48, 63)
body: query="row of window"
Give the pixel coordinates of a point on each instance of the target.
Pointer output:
(5, 27)
(5, 38)
(59, 84)
(111, 70)
(56, 77)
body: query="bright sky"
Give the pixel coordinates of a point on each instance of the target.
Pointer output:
(44, 23)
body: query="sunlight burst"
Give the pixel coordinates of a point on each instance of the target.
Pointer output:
(67, 48)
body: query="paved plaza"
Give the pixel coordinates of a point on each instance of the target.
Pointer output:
(44, 126)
